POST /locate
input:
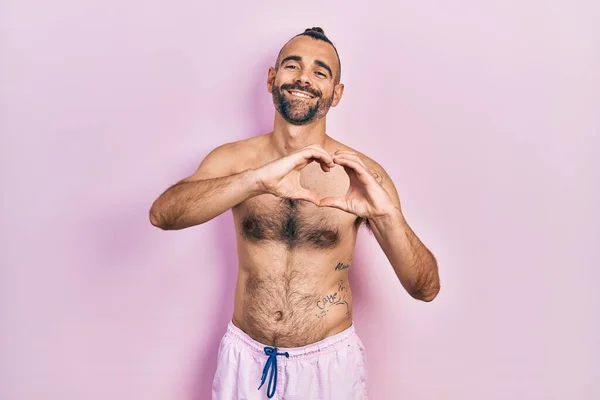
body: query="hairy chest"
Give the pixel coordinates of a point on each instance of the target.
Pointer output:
(294, 223)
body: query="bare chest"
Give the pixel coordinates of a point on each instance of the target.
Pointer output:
(299, 223)
(295, 223)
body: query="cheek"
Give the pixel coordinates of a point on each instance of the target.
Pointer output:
(328, 91)
(283, 77)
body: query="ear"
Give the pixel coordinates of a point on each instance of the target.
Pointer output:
(338, 91)
(271, 79)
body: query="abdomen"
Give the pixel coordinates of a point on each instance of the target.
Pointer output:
(295, 300)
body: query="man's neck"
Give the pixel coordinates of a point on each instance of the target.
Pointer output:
(288, 138)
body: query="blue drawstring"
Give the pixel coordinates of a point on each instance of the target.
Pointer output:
(271, 364)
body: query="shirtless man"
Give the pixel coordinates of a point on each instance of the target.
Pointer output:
(298, 198)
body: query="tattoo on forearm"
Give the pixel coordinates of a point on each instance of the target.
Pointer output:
(333, 299)
(376, 175)
(341, 266)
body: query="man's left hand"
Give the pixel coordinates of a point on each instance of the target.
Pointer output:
(365, 197)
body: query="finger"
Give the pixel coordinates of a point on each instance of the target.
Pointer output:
(376, 174)
(321, 156)
(350, 155)
(325, 167)
(308, 196)
(345, 152)
(322, 150)
(335, 202)
(356, 166)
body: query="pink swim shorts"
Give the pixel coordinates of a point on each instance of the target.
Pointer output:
(331, 369)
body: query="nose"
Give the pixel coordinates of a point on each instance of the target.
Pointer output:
(303, 79)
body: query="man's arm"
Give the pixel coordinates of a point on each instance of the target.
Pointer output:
(414, 264)
(209, 192)
(217, 186)
(372, 195)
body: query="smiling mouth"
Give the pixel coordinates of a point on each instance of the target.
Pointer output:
(301, 95)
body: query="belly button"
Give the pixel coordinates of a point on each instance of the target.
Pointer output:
(278, 316)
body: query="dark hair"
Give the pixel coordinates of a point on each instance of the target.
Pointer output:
(317, 34)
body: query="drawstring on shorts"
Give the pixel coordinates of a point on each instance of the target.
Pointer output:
(272, 366)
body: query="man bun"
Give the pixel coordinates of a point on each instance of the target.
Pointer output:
(315, 29)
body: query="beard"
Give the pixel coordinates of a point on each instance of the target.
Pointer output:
(299, 111)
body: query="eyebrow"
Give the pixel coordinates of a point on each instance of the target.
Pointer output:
(320, 63)
(291, 58)
(324, 65)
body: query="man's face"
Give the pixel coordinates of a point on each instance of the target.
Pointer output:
(303, 87)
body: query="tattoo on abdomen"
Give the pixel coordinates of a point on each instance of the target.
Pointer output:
(341, 266)
(333, 299)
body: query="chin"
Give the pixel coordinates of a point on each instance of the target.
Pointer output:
(298, 122)
(312, 120)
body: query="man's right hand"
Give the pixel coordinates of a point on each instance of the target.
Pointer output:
(281, 177)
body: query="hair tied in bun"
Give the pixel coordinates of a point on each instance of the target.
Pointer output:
(316, 29)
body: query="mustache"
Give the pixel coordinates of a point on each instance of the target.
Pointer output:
(295, 86)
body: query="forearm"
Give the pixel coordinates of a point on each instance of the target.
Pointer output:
(413, 263)
(190, 203)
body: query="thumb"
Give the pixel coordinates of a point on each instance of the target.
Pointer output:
(334, 202)
(308, 196)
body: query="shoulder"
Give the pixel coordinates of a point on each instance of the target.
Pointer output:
(229, 158)
(238, 148)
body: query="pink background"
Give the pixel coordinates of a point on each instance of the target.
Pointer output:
(486, 115)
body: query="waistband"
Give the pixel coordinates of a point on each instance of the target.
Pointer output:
(330, 343)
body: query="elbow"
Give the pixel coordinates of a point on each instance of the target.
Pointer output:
(426, 286)
(430, 295)
(426, 294)
(167, 220)
(157, 220)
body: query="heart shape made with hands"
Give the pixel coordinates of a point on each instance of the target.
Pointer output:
(365, 194)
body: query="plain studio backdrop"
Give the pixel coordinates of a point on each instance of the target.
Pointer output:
(485, 114)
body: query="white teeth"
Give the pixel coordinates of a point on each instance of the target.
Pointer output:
(297, 94)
